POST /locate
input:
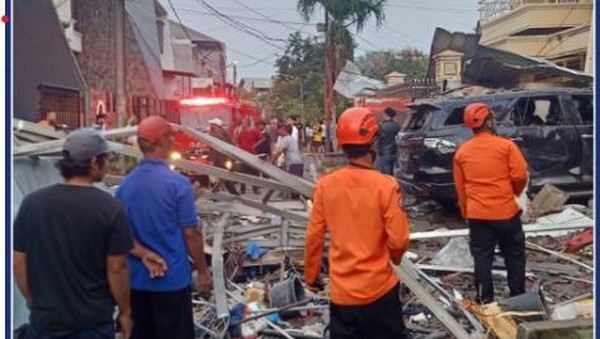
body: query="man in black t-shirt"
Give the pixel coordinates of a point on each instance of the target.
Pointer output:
(387, 142)
(71, 242)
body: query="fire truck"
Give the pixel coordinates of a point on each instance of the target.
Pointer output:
(194, 113)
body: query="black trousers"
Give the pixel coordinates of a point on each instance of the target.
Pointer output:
(162, 315)
(508, 234)
(380, 319)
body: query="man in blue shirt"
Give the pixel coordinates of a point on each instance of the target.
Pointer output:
(160, 206)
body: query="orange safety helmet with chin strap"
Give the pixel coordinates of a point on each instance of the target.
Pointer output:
(475, 115)
(356, 126)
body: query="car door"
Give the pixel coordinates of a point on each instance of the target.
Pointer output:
(581, 108)
(538, 124)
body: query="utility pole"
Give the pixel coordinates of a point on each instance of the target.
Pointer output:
(120, 62)
(235, 73)
(328, 82)
(302, 97)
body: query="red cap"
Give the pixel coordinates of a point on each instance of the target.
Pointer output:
(153, 128)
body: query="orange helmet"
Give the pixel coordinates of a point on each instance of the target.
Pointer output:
(475, 114)
(356, 126)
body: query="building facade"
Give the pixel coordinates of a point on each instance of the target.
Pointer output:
(556, 30)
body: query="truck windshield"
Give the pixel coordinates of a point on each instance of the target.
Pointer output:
(197, 117)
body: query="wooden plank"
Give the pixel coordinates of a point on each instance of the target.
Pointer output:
(502, 325)
(295, 183)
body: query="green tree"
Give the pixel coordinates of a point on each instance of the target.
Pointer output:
(339, 42)
(378, 64)
(298, 86)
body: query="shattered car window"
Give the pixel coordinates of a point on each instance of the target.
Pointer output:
(585, 107)
(539, 111)
(417, 120)
(457, 115)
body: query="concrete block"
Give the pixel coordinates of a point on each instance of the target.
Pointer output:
(550, 199)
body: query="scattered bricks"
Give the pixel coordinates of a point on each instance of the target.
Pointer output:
(578, 328)
(580, 241)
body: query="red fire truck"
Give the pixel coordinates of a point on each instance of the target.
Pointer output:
(195, 112)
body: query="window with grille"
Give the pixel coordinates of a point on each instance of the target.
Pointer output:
(64, 101)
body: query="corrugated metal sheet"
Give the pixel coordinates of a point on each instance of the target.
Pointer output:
(29, 174)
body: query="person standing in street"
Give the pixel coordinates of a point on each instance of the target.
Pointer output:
(489, 172)
(308, 132)
(247, 140)
(361, 210)
(160, 206)
(293, 121)
(71, 242)
(217, 158)
(388, 130)
(288, 146)
(263, 147)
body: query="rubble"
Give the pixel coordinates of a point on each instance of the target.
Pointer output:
(256, 242)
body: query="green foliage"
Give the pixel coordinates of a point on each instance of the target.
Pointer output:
(378, 64)
(300, 71)
(346, 12)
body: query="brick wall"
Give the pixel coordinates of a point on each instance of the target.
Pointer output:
(96, 22)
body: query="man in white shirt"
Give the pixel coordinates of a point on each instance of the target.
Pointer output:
(292, 120)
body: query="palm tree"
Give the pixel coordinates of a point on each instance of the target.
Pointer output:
(339, 42)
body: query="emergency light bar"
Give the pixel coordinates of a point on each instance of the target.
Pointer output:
(202, 101)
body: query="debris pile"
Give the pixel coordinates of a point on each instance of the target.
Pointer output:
(255, 243)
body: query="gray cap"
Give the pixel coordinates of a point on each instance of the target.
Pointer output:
(84, 144)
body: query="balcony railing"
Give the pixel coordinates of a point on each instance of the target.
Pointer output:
(491, 9)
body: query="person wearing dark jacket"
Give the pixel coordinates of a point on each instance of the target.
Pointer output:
(387, 142)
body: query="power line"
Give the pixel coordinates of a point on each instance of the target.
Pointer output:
(241, 17)
(264, 16)
(241, 26)
(180, 22)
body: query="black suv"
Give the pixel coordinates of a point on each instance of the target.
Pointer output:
(553, 128)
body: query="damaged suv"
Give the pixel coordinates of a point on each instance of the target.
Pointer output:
(553, 128)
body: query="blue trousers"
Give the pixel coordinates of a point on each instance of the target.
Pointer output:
(387, 164)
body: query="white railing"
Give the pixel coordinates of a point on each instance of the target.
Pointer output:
(491, 9)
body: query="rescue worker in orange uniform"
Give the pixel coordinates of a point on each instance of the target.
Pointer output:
(361, 210)
(489, 172)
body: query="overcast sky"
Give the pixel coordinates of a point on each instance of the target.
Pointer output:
(408, 23)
